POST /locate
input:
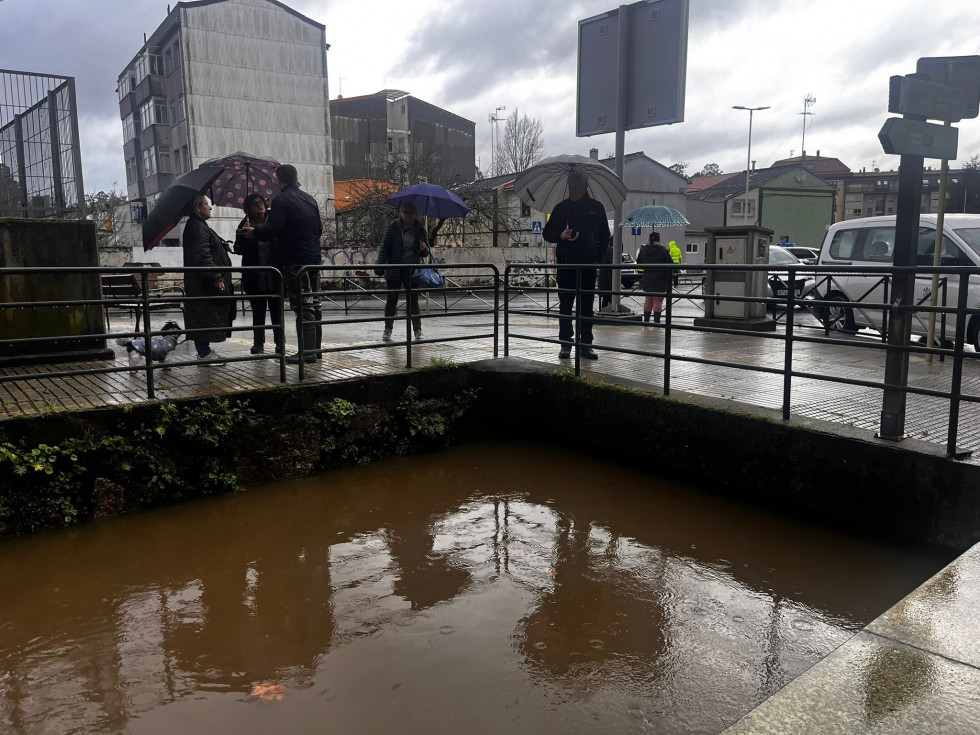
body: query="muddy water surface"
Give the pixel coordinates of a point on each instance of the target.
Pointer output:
(495, 588)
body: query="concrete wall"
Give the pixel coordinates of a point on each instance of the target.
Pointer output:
(46, 243)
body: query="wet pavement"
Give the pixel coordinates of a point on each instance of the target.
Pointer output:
(549, 592)
(927, 417)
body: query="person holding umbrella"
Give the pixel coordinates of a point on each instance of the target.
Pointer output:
(295, 220)
(404, 242)
(203, 248)
(260, 287)
(654, 280)
(580, 231)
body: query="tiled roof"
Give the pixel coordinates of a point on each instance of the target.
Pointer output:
(349, 192)
(699, 183)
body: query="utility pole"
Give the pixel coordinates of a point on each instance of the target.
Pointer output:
(493, 120)
(807, 101)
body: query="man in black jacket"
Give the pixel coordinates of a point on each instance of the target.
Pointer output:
(580, 230)
(295, 221)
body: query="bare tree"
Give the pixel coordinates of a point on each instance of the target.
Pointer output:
(522, 144)
(105, 209)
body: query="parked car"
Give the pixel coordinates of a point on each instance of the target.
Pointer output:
(870, 241)
(630, 276)
(777, 283)
(808, 256)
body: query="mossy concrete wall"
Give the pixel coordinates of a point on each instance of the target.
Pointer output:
(47, 243)
(824, 471)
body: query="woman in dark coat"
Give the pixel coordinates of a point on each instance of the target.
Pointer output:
(404, 242)
(203, 248)
(654, 280)
(260, 287)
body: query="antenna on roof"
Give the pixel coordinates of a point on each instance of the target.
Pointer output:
(807, 101)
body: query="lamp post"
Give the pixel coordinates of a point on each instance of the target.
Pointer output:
(748, 161)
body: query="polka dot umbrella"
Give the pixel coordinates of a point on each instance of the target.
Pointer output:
(243, 174)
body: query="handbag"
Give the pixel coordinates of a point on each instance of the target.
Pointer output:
(426, 279)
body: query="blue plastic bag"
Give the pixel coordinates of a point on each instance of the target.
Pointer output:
(426, 279)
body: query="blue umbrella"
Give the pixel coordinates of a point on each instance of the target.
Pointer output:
(431, 200)
(654, 215)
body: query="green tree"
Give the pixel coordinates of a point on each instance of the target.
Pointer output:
(710, 169)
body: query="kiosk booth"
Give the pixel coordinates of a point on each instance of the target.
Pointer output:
(736, 246)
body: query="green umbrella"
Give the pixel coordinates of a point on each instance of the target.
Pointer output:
(654, 215)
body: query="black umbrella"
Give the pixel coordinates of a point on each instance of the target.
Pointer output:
(173, 203)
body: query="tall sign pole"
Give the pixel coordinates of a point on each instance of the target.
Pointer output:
(622, 92)
(643, 47)
(913, 139)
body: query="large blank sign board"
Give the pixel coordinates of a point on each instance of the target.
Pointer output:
(656, 67)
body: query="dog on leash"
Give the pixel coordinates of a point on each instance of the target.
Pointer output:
(160, 346)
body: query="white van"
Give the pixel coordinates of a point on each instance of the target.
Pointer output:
(871, 241)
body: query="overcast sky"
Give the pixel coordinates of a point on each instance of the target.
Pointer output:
(473, 56)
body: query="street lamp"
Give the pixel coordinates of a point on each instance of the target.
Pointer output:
(748, 161)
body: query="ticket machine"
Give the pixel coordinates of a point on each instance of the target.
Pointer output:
(736, 246)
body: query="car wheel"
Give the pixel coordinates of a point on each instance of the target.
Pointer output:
(838, 317)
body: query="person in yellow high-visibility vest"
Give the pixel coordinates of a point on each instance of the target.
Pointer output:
(675, 255)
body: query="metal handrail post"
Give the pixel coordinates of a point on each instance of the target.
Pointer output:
(496, 313)
(577, 338)
(147, 340)
(667, 333)
(957, 376)
(408, 317)
(281, 318)
(885, 312)
(788, 351)
(301, 351)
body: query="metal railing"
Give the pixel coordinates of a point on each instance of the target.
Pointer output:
(965, 317)
(18, 349)
(492, 276)
(533, 297)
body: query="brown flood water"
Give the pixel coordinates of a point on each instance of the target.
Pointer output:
(493, 588)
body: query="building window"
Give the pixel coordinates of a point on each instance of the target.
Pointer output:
(153, 112)
(127, 84)
(149, 158)
(692, 247)
(177, 110)
(142, 68)
(156, 63)
(131, 172)
(187, 159)
(738, 208)
(129, 128)
(168, 63)
(525, 210)
(390, 146)
(176, 48)
(163, 159)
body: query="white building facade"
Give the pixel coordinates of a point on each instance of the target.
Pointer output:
(218, 77)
